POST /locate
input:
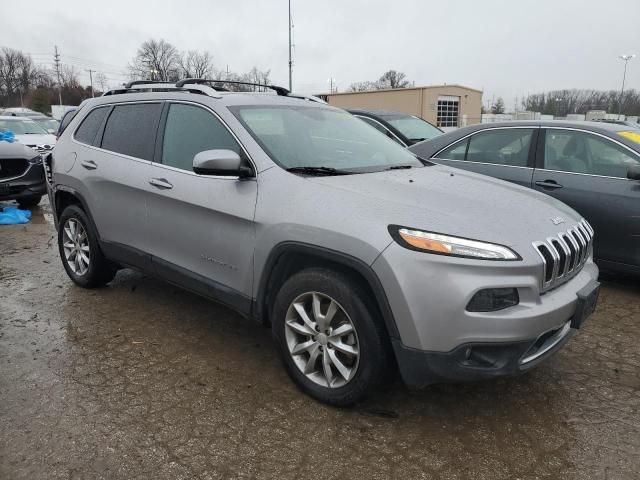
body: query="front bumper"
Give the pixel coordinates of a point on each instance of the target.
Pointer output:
(441, 341)
(29, 184)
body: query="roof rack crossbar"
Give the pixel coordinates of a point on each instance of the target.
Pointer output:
(279, 90)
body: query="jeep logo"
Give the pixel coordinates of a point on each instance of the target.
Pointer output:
(557, 220)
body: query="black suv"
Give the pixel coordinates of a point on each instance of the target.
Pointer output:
(21, 174)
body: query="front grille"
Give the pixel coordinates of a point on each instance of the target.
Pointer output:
(41, 149)
(564, 255)
(13, 167)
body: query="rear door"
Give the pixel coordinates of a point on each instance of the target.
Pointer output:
(201, 230)
(115, 171)
(505, 153)
(587, 171)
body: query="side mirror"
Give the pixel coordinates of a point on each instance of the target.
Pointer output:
(225, 163)
(633, 172)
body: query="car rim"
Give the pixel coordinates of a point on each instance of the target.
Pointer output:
(75, 243)
(322, 340)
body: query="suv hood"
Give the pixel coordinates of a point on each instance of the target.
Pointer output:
(451, 201)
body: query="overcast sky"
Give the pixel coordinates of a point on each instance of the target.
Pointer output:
(506, 48)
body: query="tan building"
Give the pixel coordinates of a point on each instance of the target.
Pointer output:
(441, 105)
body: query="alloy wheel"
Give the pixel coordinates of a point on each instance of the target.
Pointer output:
(322, 340)
(75, 243)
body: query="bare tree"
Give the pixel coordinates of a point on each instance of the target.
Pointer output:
(69, 77)
(389, 79)
(156, 60)
(563, 102)
(194, 64)
(102, 81)
(393, 79)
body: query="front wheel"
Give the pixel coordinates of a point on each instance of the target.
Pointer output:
(80, 252)
(330, 337)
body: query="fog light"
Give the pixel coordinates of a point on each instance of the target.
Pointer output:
(493, 299)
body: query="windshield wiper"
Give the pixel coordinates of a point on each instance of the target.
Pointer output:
(318, 170)
(400, 167)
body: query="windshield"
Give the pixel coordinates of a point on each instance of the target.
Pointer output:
(48, 123)
(322, 137)
(22, 127)
(413, 128)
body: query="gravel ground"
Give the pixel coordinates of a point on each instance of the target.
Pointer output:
(143, 380)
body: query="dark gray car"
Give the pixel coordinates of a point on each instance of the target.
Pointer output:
(592, 166)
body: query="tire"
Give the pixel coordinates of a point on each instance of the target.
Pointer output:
(365, 369)
(29, 202)
(98, 271)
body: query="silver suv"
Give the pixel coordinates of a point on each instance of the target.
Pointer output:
(364, 259)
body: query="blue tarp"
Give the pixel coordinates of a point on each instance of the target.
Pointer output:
(14, 216)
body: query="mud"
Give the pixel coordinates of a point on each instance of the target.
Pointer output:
(143, 380)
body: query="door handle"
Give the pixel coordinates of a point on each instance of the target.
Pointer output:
(549, 184)
(89, 164)
(161, 183)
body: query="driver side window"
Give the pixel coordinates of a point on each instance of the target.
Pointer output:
(190, 130)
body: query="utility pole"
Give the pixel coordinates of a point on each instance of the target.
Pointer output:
(91, 80)
(626, 59)
(56, 61)
(290, 62)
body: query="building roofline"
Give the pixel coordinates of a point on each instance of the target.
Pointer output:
(403, 89)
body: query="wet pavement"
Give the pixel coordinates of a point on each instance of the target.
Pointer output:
(143, 380)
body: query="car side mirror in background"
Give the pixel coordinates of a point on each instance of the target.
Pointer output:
(633, 172)
(225, 163)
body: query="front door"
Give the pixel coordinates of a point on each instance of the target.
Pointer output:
(201, 230)
(588, 172)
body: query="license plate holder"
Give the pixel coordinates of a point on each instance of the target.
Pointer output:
(587, 301)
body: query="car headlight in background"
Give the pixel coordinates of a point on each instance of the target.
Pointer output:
(36, 160)
(448, 245)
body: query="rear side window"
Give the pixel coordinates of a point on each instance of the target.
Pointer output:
(131, 130)
(190, 130)
(88, 129)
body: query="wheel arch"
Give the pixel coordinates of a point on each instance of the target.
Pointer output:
(287, 258)
(65, 196)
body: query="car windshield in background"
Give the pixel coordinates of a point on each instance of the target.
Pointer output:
(22, 127)
(413, 128)
(322, 137)
(48, 123)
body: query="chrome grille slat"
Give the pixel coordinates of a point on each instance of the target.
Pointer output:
(564, 254)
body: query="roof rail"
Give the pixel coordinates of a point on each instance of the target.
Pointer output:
(279, 90)
(144, 82)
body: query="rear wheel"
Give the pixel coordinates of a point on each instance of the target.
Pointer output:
(331, 341)
(29, 202)
(80, 252)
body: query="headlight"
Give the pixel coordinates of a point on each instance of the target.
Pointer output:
(36, 160)
(447, 245)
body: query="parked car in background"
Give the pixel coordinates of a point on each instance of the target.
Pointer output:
(18, 112)
(627, 123)
(401, 127)
(49, 124)
(29, 133)
(21, 174)
(593, 167)
(361, 257)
